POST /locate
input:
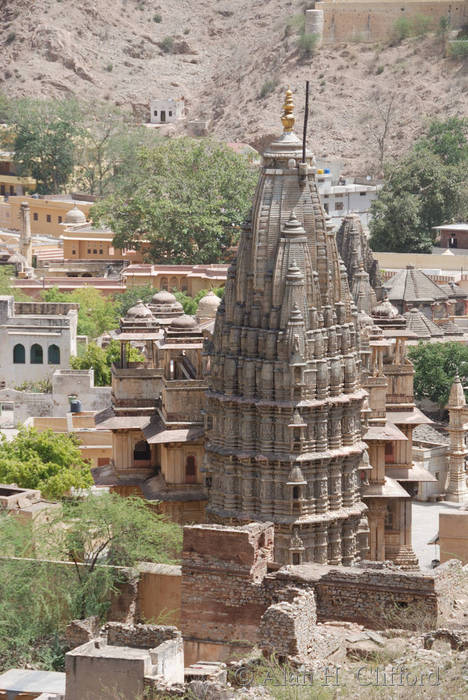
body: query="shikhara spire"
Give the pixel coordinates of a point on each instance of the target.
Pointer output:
(285, 373)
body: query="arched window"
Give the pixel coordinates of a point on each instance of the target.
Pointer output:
(37, 357)
(19, 354)
(164, 283)
(174, 283)
(190, 470)
(142, 452)
(53, 355)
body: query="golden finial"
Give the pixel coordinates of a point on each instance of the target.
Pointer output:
(288, 117)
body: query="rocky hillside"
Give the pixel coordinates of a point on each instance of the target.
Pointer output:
(222, 55)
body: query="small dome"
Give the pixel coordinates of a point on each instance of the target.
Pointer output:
(139, 311)
(184, 322)
(208, 305)
(163, 298)
(75, 216)
(385, 310)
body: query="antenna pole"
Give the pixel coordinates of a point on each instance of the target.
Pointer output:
(306, 119)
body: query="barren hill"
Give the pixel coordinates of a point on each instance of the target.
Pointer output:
(222, 54)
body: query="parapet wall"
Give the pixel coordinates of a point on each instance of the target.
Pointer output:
(373, 21)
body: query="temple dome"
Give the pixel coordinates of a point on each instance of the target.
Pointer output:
(139, 311)
(163, 298)
(75, 216)
(184, 322)
(385, 309)
(208, 305)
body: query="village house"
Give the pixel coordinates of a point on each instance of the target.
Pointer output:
(36, 338)
(48, 212)
(167, 111)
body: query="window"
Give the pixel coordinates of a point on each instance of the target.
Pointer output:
(35, 216)
(48, 218)
(155, 112)
(89, 251)
(19, 354)
(53, 355)
(37, 357)
(12, 189)
(101, 252)
(170, 113)
(296, 492)
(296, 558)
(73, 252)
(190, 470)
(60, 219)
(94, 251)
(388, 519)
(362, 194)
(325, 206)
(142, 452)
(164, 282)
(339, 206)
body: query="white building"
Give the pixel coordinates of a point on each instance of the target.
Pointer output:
(342, 199)
(167, 111)
(36, 338)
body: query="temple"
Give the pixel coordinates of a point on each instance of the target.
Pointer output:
(284, 403)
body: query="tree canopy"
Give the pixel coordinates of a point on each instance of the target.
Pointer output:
(44, 133)
(435, 366)
(47, 461)
(187, 200)
(425, 188)
(101, 359)
(38, 598)
(97, 314)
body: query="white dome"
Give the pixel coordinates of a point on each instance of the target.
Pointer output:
(163, 298)
(139, 311)
(208, 305)
(75, 216)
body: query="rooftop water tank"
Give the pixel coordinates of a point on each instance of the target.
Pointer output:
(75, 406)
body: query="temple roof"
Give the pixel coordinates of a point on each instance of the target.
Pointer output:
(417, 322)
(413, 285)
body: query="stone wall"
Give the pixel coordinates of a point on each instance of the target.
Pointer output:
(222, 572)
(370, 21)
(138, 636)
(227, 591)
(287, 628)
(45, 308)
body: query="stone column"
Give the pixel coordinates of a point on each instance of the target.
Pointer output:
(457, 491)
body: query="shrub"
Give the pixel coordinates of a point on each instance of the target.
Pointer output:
(444, 25)
(42, 386)
(157, 18)
(379, 70)
(458, 48)
(11, 37)
(420, 25)
(295, 25)
(109, 68)
(306, 44)
(167, 44)
(401, 29)
(267, 87)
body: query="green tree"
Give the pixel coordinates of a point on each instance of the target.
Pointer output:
(101, 147)
(7, 273)
(47, 461)
(435, 366)
(101, 359)
(44, 140)
(97, 314)
(187, 199)
(37, 601)
(425, 188)
(130, 297)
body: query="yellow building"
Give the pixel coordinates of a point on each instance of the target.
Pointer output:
(186, 278)
(10, 182)
(48, 214)
(95, 446)
(83, 242)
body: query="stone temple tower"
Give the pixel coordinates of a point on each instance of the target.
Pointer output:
(283, 411)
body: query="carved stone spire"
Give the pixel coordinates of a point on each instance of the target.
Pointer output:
(284, 386)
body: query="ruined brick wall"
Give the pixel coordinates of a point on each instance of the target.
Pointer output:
(222, 571)
(450, 583)
(286, 628)
(371, 21)
(139, 636)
